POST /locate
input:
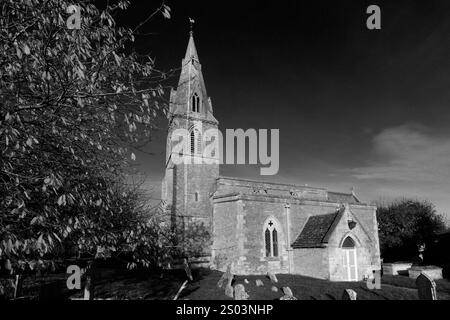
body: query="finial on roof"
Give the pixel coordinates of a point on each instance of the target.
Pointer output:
(191, 23)
(353, 189)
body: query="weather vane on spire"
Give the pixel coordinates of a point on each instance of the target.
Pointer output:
(191, 23)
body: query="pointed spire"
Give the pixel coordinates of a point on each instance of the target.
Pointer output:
(191, 51)
(191, 79)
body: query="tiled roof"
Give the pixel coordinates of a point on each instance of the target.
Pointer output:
(314, 231)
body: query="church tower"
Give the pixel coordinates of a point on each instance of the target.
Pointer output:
(187, 187)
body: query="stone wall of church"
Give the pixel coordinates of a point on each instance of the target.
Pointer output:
(225, 245)
(192, 189)
(253, 216)
(311, 262)
(239, 222)
(368, 217)
(245, 186)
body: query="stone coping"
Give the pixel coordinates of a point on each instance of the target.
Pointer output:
(396, 268)
(434, 272)
(235, 196)
(426, 268)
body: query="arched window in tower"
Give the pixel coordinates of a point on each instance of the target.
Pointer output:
(195, 141)
(195, 102)
(271, 239)
(192, 142)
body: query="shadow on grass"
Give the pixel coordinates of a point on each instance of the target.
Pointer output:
(163, 285)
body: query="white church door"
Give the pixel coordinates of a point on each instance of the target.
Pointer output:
(350, 260)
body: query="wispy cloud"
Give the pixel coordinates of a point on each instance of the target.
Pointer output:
(409, 153)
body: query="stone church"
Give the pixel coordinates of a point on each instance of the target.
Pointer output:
(262, 226)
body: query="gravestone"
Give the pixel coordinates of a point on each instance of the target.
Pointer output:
(287, 291)
(239, 292)
(221, 280)
(285, 297)
(288, 295)
(90, 275)
(229, 291)
(272, 277)
(246, 281)
(226, 277)
(426, 287)
(274, 289)
(259, 283)
(349, 294)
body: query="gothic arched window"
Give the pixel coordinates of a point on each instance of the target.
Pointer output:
(192, 142)
(348, 243)
(195, 102)
(275, 242)
(268, 243)
(271, 239)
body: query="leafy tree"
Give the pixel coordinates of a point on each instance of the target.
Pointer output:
(72, 103)
(404, 225)
(190, 239)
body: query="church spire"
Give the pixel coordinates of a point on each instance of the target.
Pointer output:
(191, 51)
(190, 96)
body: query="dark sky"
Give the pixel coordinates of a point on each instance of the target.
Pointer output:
(355, 107)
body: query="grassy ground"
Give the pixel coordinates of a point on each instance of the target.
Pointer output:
(144, 285)
(304, 288)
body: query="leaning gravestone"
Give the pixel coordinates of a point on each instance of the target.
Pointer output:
(229, 291)
(349, 294)
(259, 283)
(287, 294)
(226, 277)
(229, 285)
(239, 292)
(221, 280)
(426, 287)
(287, 291)
(272, 277)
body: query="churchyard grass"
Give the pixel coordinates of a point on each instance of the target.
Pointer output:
(146, 285)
